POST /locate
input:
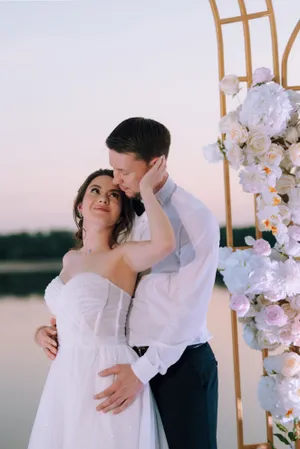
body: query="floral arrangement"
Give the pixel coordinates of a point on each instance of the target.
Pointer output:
(262, 141)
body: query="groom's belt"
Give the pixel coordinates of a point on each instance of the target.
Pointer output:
(141, 350)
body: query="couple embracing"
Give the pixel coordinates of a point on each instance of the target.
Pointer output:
(132, 367)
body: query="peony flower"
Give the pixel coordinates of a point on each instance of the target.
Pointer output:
(240, 303)
(230, 85)
(267, 107)
(262, 75)
(212, 153)
(227, 122)
(294, 152)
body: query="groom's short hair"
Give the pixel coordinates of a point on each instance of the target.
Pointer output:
(144, 137)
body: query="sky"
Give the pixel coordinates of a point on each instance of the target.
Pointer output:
(70, 71)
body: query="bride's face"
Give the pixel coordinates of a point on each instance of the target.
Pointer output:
(101, 202)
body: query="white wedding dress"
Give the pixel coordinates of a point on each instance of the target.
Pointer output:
(91, 314)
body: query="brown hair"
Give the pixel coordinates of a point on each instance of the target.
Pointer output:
(124, 224)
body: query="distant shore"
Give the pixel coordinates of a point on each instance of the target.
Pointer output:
(41, 266)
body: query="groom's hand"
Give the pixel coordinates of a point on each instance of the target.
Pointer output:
(122, 392)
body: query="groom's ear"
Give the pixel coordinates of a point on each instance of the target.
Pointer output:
(153, 161)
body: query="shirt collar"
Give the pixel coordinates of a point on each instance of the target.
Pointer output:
(167, 190)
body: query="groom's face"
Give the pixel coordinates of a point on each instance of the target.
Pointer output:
(128, 172)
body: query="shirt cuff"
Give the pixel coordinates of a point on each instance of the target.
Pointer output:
(143, 369)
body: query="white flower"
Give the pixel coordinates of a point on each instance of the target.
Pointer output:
(295, 302)
(240, 303)
(294, 99)
(230, 85)
(228, 122)
(224, 255)
(285, 335)
(249, 336)
(291, 135)
(294, 232)
(287, 364)
(294, 152)
(253, 178)
(266, 107)
(274, 316)
(270, 197)
(212, 153)
(262, 248)
(267, 393)
(234, 154)
(288, 310)
(285, 213)
(239, 134)
(267, 339)
(285, 183)
(262, 75)
(273, 156)
(258, 143)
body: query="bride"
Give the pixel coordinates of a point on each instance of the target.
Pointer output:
(90, 299)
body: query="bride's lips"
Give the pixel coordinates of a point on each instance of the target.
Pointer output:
(105, 209)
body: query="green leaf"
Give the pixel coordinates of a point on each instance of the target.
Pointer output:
(271, 444)
(281, 438)
(292, 436)
(281, 426)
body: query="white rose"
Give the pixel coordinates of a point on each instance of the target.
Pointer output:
(294, 152)
(291, 135)
(285, 184)
(230, 85)
(239, 134)
(240, 303)
(273, 156)
(267, 340)
(262, 75)
(227, 122)
(287, 364)
(258, 143)
(212, 153)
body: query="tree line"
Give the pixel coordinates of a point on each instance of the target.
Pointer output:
(54, 244)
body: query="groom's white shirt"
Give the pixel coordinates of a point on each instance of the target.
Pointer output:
(170, 305)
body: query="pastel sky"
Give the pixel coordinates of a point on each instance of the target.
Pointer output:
(70, 71)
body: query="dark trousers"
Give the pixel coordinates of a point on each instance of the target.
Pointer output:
(187, 399)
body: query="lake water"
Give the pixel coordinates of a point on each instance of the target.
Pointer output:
(23, 369)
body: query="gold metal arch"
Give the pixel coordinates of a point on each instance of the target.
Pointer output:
(244, 17)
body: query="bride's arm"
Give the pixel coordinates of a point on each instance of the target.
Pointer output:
(142, 255)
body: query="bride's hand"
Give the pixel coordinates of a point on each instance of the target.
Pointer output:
(155, 175)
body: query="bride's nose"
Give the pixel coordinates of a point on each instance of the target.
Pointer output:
(103, 199)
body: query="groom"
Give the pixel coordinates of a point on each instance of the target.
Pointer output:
(167, 322)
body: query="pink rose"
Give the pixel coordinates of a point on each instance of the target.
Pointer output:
(240, 303)
(262, 248)
(275, 316)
